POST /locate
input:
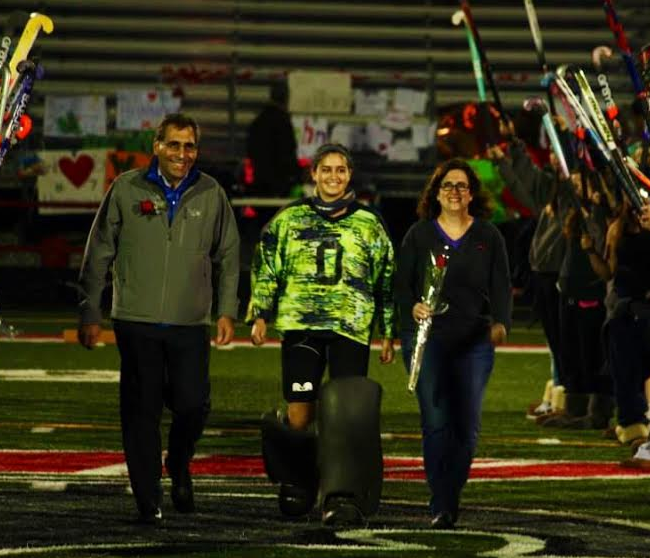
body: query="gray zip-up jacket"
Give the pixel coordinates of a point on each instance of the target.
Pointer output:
(533, 187)
(162, 273)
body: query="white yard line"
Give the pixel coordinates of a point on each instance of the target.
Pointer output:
(275, 344)
(64, 375)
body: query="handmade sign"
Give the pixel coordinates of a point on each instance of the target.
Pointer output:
(72, 178)
(142, 109)
(118, 162)
(320, 92)
(75, 116)
(311, 133)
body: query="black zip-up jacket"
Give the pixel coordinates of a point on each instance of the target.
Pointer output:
(477, 284)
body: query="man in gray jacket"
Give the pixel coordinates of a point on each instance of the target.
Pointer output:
(164, 232)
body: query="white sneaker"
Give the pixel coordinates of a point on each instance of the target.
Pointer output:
(643, 451)
(543, 408)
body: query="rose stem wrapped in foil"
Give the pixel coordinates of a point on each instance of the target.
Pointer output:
(433, 281)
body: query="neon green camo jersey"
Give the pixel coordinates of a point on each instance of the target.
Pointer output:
(324, 274)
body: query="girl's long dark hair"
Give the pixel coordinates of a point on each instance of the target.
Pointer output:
(428, 204)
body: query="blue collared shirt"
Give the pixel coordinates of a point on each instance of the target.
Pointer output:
(172, 195)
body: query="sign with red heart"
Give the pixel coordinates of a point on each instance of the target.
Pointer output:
(72, 177)
(77, 170)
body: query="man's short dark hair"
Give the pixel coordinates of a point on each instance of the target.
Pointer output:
(177, 120)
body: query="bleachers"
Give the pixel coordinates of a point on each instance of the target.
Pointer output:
(224, 54)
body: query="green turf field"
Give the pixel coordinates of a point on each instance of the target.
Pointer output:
(61, 404)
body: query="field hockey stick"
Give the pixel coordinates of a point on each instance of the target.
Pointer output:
(626, 53)
(29, 72)
(611, 109)
(535, 31)
(598, 134)
(538, 105)
(34, 25)
(603, 128)
(16, 20)
(485, 64)
(457, 19)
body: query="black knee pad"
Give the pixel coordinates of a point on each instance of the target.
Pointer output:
(349, 442)
(290, 459)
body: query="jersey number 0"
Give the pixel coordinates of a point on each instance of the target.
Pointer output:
(329, 262)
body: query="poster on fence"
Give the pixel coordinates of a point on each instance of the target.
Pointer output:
(320, 92)
(143, 109)
(410, 100)
(311, 133)
(76, 177)
(118, 162)
(75, 116)
(368, 103)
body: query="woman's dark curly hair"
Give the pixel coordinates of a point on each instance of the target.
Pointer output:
(428, 204)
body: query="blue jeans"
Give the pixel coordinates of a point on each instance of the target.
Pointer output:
(450, 394)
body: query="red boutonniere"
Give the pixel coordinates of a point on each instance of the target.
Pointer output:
(441, 260)
(151, 207)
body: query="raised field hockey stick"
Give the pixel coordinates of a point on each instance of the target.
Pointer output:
(535, 31)
(603, 129)
(599, 136)
(457, 19)
(623, 46)
(485, 64)
(15, 21)
(28, 73)
(611, 109)
(5, 81)
(34, 25)
(626, 53)
(538, 105)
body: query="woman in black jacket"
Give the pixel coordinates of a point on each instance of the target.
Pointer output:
(459, 353)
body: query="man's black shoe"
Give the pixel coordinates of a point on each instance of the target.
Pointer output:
(151, 516)
(182, 492)
(294, 500)
(342, 511)
(442, 520)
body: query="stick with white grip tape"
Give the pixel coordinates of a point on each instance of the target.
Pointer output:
(535, 31)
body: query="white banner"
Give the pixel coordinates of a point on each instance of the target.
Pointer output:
(320, 92)
(143, 109)
(71, 177)
(367, 103)
(410, 100)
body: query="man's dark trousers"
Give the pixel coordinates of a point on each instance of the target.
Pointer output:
(161, 365)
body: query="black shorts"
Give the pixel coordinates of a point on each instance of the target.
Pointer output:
(305, 355)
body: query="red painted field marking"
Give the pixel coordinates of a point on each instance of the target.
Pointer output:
(395, 468)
